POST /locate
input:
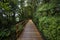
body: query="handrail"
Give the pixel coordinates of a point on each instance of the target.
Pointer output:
(17, 31)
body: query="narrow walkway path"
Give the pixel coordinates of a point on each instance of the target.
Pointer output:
(30, 32)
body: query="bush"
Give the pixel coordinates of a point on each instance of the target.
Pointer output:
(8, 33)
(48, 25)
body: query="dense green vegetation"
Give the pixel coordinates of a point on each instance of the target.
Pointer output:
(47, 19)
(8, 19)
(44, 13)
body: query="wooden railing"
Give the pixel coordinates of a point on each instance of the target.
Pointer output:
(18, 32)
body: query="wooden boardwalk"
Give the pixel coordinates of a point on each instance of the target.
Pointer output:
(30, 32)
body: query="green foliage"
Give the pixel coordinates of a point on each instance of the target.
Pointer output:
(7, 28)
(45, 15)
(49, 26)
(46, 6)
(20, 27)
(47, 20)
(6, 33)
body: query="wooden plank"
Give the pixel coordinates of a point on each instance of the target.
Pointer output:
(30, 32)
